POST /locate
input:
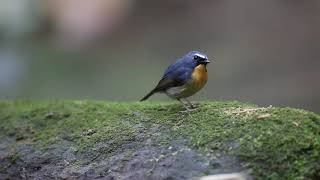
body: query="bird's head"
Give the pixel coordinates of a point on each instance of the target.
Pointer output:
(198, 58)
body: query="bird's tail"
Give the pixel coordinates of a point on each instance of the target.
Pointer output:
(148, 95)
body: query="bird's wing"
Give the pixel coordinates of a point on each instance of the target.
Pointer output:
(174, 67)
(173, 77)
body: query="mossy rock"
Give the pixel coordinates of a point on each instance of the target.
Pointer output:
(89, 139)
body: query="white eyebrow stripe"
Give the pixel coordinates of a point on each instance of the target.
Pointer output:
(201, 56)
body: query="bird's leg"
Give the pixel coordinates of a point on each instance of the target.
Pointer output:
(190, 104)
(186, 107)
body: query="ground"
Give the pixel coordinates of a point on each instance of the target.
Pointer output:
(107, 140)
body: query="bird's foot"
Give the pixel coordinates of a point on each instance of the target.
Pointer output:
(192, 106)
(195, 105)
(188, 110)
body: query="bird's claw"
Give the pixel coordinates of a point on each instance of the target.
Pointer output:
(188, 110)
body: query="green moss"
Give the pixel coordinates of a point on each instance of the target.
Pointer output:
(276, 143)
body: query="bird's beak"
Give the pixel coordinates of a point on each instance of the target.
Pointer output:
(206, 61)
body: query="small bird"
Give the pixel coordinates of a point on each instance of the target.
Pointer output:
(183, 78)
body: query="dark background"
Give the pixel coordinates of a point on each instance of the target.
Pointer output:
(264, 52)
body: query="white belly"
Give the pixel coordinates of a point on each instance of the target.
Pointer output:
(181, 91)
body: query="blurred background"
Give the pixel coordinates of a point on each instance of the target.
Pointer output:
(264, 52)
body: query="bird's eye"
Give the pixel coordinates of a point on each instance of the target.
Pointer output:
(196, 57)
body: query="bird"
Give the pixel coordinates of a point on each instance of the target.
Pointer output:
(184, 78)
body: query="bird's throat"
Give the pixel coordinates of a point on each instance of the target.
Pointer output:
(199, 76)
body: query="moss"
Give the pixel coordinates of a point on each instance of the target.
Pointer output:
(277, 143)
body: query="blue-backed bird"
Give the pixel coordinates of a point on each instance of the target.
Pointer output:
(183, 78)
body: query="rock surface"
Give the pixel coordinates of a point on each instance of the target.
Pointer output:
(98, 140)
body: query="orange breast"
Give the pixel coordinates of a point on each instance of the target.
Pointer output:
(199, 77)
